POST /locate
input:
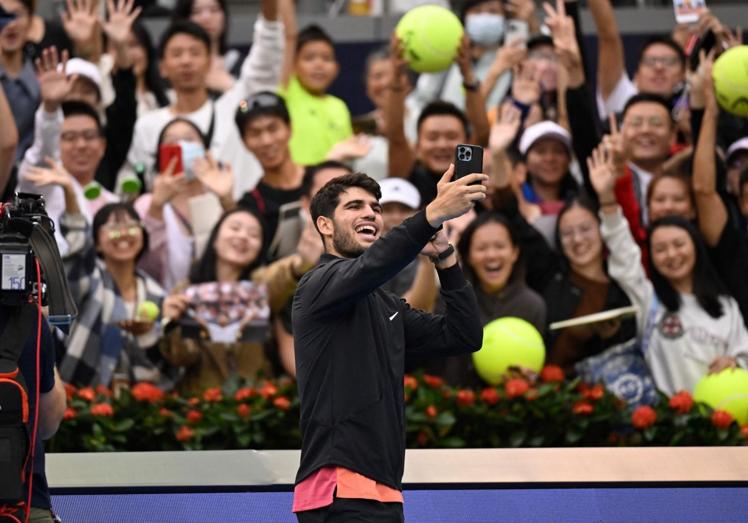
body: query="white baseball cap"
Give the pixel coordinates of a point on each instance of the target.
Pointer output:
(736, 147)
(399, 190)
(83, 68)
(546, 129)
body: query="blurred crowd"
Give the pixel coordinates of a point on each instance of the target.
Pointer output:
(179, 174)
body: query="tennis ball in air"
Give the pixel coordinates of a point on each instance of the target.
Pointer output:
(730, 73)
(726, 390)
(508, 342)
(147, 311)
(431, 37)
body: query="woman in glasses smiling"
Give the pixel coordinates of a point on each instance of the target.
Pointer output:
(114, 337)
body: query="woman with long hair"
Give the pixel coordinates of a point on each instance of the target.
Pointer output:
(234, 253)
(149, 88)
(688, 324)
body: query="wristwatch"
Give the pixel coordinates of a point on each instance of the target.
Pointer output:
(446, 253)
(471, 86)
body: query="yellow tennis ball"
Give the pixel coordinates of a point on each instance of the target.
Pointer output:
(726, 390)
(147, 311)
(431, 37)
(730, 73)
(508, 342)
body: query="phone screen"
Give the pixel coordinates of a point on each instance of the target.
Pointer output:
(688, 11)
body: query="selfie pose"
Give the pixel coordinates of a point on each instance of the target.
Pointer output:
(351, 339)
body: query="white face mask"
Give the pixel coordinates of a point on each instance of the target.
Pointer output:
(485, 29)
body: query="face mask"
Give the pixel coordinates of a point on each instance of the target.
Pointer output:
(485, 29)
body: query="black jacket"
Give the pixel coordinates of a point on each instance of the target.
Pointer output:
(351, 338)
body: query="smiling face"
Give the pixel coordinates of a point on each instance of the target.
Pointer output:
(239, 240)
(492, 256)
(355, 225)
(548, 161)
(209, 15)
(579, 233)
(378, 80)
(120, 239)
(670, 196)
(660, 70)
(438, 137)
(267, 138)
(316, 67)
(81, 147)
(138, 54)
(673, 255)
(647, 133)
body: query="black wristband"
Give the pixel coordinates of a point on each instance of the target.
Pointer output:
(471, 87)
(446, 253)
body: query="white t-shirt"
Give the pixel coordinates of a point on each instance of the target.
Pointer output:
(617, 99)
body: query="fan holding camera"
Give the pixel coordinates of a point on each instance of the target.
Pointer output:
(189, 195)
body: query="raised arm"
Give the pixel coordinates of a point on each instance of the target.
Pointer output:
(475, 104)
(8, 141)
(400, 157)
(610, 55)
(287, 10)
(712, 212)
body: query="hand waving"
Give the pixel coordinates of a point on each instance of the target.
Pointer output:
(217, 178)
(504, 130)
(121, 17)
(79, 20)
(53, 80)
(603, 174)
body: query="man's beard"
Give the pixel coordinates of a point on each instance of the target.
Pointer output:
(345, 245)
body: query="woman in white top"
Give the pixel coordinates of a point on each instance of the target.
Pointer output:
(149, 88)
(689, 325)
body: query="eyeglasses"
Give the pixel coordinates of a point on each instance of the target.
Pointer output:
(543, 55)
(73, 136)
(116, 231)
(260, 101)
(584, 230)
(665, 61)
(637, 122)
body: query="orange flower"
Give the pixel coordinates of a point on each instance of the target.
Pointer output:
(69, 391)
(516, 387)
(422, 439)
(282, 403)
(681, 402)
(582, 408)
(594, 393)
(213, 394)
(245, 393)
(446, 393)
(551, 373)
(433, 381)
(184, 433)
(722, 419)
(148, 392)
(164, 412)
(268, 390)
(102, 409)
(490, 396)
(193, 401)
(410, 382)
(87, 394)
(194, 416)
(532, 394)
(465, 397)
(431, 412)
(643, 417)
(243, 410)
(70, 413)
(104, 391)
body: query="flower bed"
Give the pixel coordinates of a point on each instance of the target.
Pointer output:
(544, 411)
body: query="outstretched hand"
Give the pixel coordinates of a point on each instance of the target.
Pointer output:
(52, 76)
(603, 174)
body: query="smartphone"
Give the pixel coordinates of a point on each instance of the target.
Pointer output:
(5, 17)
(468, 160)
(688, 11)
(516, 31)
(705, 43)
(168, 151)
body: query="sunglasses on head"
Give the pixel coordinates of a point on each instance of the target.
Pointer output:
(259, 101)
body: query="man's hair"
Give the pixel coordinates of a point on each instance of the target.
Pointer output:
(441, 108)
(647, 97)
(313, 33)
(183, 27)
(264, 103)
(75, 108)
(183, 11)
(310, 172)
(666, 41)
(327, 199)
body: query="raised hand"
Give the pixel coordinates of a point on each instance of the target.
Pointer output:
(165, 186)
(55, 174)
(520, 9)
(465, 62)
(53, 80)
(351, 148)
(526, 84)
(121, 17)
(565, 41)
(217, 178)
(398, 63)
(603, 174)
(509, 56)
(79, 20)
(455, 198)
(437, 244)
(504, 130)
(613, 142)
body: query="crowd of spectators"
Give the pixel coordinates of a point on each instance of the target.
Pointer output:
(175, 169)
